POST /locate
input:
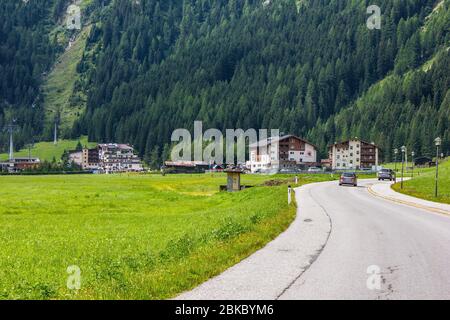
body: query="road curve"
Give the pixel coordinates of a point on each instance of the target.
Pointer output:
(346, 243)
(410, 246)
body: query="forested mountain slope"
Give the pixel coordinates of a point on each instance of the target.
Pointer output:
(407, 107)
(305, 67)
(410, 110)
(240, 64)
(27, 52)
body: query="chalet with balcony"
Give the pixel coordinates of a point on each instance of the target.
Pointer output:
(284, 152)
(108, 158)
(353, 154)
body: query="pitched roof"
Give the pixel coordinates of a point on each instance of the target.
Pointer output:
(185, 163)
(270, 140)
(356, 139)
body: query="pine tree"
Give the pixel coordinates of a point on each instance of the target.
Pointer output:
(154, 159)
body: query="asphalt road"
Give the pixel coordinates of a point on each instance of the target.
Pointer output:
(409, 246)
(345, 244)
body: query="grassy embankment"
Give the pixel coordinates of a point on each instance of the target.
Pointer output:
(422, 186)
(132, 236)
(47, 150)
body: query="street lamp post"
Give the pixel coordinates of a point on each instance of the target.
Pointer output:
(412, 155)
(403, 163)
(395, 159)
(437, 142)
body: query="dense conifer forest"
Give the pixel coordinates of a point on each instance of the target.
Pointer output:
(307, 67)
(27, 52)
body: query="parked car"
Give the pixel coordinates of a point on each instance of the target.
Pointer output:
(314, 169)
(218, 167)
(386, 174)
(349, 178)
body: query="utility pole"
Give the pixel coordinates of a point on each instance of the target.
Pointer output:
(55, 134)
(395, 160)
(55, 131)
(437, 142)
(11, 145)
(406, 159)
(403, 149)
(413, 163)
(10, 129)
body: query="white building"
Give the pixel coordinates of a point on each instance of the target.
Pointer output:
(76, 157)
(284, 152)
(353, 154)
(115, 157)
(108, 158)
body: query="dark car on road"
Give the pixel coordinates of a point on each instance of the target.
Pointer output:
(349, 178)
(386, 174)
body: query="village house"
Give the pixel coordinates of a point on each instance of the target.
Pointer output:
(19, 164)
(118, 158)
(286, 152)
(108, 158)
(76, 157)
(186, 166)
(353, 154)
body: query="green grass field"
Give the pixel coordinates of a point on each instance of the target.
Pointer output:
(132, 236)
(422, 186)
(47, 150)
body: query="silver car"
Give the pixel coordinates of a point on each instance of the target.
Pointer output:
(386, 174)
(349, 178)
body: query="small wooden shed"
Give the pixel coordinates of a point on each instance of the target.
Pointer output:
(234, 179)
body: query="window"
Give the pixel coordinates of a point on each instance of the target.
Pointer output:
(351, 154)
